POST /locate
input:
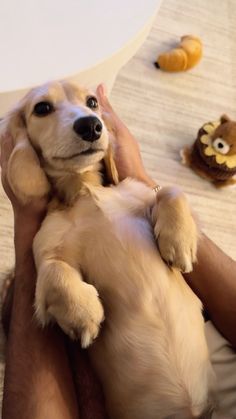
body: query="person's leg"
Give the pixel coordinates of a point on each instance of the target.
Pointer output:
(38, 381)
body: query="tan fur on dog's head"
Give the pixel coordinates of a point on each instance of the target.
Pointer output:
(42, 127)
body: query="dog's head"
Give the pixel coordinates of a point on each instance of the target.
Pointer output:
(59, 127)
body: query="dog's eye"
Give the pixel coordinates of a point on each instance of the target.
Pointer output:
(43, 109)
(92, 102)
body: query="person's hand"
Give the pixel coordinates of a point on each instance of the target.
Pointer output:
(127, 154)
(28, 217)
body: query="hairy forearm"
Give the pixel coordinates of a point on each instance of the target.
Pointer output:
(37, 378)
(214, 281)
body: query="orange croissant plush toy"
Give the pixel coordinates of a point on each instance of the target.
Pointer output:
(213, 154)
(183, 57)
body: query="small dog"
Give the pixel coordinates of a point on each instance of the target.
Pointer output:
(151, 354)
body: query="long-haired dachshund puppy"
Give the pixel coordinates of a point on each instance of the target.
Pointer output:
(97, 258)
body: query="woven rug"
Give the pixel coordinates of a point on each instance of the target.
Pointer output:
(164, 112)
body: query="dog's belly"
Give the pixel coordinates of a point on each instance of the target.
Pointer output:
(151, 354)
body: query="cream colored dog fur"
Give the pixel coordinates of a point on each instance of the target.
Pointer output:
(100, 274)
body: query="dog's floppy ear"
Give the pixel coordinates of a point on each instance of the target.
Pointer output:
(25, 175)
(111, 170)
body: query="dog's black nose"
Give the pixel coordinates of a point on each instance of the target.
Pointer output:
(89, 128)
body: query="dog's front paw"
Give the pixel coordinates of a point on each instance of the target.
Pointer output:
(176, 231)
(84, 316)
(178, 248)
(78, 312)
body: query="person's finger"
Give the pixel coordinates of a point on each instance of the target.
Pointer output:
(109, 116)
(6, 150)
(101, 90)
(103, 99)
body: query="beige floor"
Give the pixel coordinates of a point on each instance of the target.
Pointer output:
(164, 112)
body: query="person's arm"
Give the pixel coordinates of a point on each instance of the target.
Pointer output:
(38, 383)
(214, 276)
(213, 279)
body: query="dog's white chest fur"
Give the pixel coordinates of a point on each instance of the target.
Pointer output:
(117, 236)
